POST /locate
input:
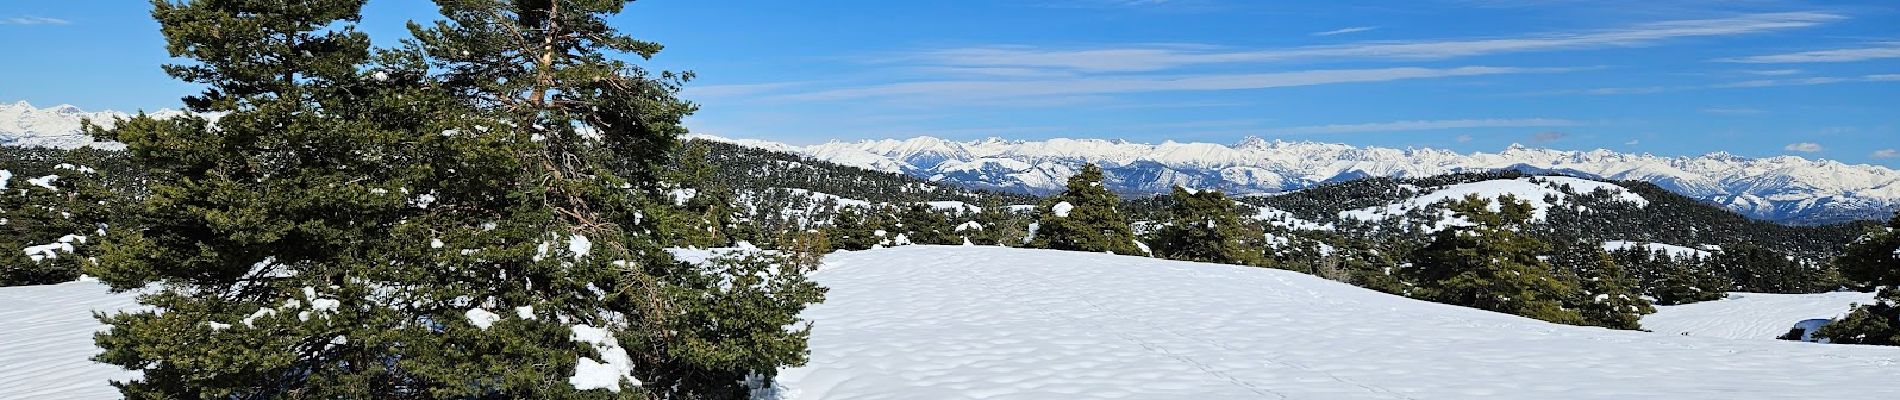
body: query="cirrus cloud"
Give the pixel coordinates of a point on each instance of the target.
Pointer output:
(1804, 147)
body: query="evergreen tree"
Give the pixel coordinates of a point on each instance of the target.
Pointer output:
(1872, 261)
(997, 225)
(1489, 265)
(1203, 227)
(925, 225)
(854, 229)
(1608, 296)
(1753, 268)
(704, 205)
(1084, 218)
(465, 217)
(48, 224)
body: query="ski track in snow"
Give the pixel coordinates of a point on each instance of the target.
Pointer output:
(46, 342)
(1751, 315)
(930, 322)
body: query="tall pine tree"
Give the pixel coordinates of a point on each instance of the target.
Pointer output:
(1084, 218)
(470, 216)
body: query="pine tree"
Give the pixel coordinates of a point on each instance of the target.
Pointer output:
(704, 206)
(1490, 266)
(1607, 295)
(925, 225)
(1084, 218)
(49, 223)
(1871, 261)
(470, 216)
(1203, 227)
(1753, 268)
(997, 225)
(853, 229)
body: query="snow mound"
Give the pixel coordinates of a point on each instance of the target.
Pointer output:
(954, 322)
(1750, 315)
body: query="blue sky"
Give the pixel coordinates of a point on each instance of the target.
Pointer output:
(1671, 77)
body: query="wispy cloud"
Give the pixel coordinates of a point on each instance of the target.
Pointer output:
(1407, 126)
(990, 89)
(1804, 147)
(1625, 90)
(1548, 136)
(1886, 153)
(1731, 110)
(1773, 72)
(736, 90)
(33, 20)
(1342, 31)
(1817, 80)
(1152, 58)
(1878, 51)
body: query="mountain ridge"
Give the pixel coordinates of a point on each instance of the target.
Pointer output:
(1786, 189)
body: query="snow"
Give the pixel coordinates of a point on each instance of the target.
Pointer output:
(1772, 187)
(1534, 190)
(46, 340)
(965, 322)
(607, 373)
(953, 206)
(1062, 209)
(481, 318)
(45, 181)
(1673, 250)
(1750, 315)
(579, 246)
(1276, 217)
(953, 322)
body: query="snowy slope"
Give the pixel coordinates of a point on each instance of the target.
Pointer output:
(1538, 191)
(1750, 315)
(935, 322)
(1782, 188)
(46, 340)
(965, 322)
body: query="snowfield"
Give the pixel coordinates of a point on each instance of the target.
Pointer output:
(46, 342)
(967, 322)
(1751, 315)
(939, 322)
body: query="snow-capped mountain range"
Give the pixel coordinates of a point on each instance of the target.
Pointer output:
(22, 124)
(1787, 188)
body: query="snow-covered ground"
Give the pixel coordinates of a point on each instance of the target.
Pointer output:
(926, 322)
(1750, 315)
(965, 322)
(46, 342)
